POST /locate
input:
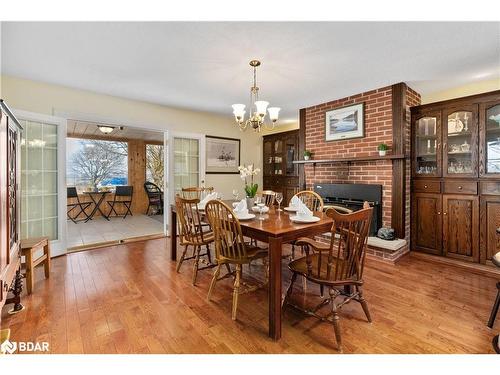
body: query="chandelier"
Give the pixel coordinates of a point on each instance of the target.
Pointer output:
(257, 115)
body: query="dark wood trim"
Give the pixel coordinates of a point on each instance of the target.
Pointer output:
(398, 197)
(476, 98)
(302, 146)
(351, 160)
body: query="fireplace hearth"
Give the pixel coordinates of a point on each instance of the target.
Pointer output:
(353, 196)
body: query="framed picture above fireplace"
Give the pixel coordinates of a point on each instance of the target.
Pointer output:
(345, 123)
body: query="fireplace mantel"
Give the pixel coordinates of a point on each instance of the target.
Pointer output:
(351, 160)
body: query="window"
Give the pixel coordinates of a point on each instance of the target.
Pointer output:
(39, 180)
(186, 163)
(92, 164)
(154, 164)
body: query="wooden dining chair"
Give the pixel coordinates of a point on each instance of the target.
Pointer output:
(269, 197)
(230, 248)
(192, 233)
(337, 266)
(196, 192)
(313, 201)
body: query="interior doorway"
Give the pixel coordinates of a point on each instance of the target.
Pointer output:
(115, 183)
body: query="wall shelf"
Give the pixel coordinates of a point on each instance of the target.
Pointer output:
(351, 160)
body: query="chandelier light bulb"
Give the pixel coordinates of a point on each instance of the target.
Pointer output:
(273, 113)
(261, 106)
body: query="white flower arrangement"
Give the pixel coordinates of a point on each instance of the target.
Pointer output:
(245, 172)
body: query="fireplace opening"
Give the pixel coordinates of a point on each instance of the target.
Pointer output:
(352, 196)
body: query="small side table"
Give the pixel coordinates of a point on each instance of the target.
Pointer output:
(29, 247)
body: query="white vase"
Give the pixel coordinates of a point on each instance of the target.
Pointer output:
(382, 152)
(306, 157)
(250, 202)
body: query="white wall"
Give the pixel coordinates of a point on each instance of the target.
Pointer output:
(53, 99)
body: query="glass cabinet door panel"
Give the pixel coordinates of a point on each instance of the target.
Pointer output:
(278, 157)
(268, 158)
(492, 137)
(426, 146)
(459, 145)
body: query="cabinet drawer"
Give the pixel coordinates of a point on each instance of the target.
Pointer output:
(460, 187)
(427, 186)
(489, 188)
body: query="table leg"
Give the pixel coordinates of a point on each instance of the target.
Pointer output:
(92, 213)
(275, 245)
(173, 235)
(99, 207)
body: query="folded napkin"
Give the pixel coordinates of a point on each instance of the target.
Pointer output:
(295, 201)
(205, 200)
(302, 210)
(241, 208)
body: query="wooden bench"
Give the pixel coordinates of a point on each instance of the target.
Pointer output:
(29, 247)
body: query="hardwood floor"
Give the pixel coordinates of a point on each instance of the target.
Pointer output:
(129, 299)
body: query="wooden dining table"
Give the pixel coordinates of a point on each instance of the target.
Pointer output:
(275, 230)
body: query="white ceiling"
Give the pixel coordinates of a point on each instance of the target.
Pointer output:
(86, 129)
(204, 65)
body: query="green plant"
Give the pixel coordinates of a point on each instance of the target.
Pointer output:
(382, 147)
(250, 187)
(308, 153)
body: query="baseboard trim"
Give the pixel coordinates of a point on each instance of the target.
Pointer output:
(481, 269)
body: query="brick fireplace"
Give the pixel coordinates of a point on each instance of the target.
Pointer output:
(387, 120)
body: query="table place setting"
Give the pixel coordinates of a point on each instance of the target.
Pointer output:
(204, 201)
(303, 214)
(240, 210)
(294, 204)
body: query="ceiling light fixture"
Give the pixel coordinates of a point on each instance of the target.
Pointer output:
(257, 108)
(106, 129)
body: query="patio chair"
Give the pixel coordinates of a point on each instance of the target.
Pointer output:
(124, 195)
(155, 196)
(82, 206)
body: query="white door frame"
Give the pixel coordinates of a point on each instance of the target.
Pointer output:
(57, 247)
(169, 165)
(158, 128)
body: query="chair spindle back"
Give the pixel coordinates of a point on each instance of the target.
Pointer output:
(229, 242)
(196, 192)
(311, 199)
(190, 223)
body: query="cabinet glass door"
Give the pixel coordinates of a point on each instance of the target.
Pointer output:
(268, 158)
(492, 140)
(460, 143)
(291, 155)
(427, 146)
(278, 157)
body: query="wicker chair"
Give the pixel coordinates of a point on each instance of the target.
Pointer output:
(337, 266)
(230, 248)
(191, 233)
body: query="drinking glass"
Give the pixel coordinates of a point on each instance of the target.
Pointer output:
(279, 199)
(236, 194)
(259, 201)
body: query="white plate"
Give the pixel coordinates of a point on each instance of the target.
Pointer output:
(256, 209)
(298, 219)
(246, 217)
(291, 209)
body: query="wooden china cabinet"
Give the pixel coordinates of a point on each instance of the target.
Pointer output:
(280, 174)
(455, 202)
(10, 262)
